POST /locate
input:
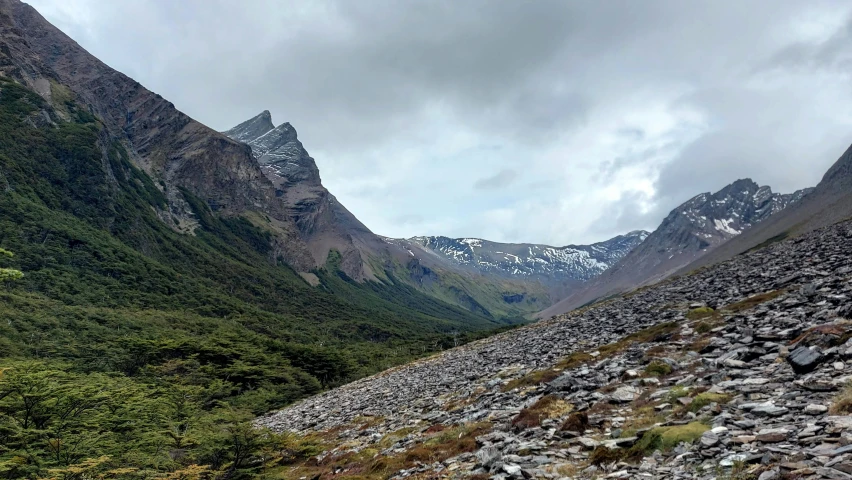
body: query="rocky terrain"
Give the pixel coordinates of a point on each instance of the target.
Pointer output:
(689, 232)
(549, 265)
(737, 371)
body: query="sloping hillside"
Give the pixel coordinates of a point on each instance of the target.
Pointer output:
(738, 371)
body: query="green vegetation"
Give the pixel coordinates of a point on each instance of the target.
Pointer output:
(8, 275)
(536, 377)
(700, 312)
(129, 350)
(659, 438)
(706, 398)
(431, 445)
(753, 301)
(666, 438)
(658, 368)
(677, 392)
(704, 327)
(485, 296)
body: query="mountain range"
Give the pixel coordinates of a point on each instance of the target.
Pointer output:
(488, 278)
(262, 175)
(179, 281)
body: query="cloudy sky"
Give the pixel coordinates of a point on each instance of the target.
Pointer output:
(541, 121)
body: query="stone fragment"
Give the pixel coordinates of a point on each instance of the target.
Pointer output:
(709, 439)
(804, 359)
(769, 410)
(772, 435)
(625, 394)
(814, 409)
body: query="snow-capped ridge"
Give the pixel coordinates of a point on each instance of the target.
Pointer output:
(573, 262)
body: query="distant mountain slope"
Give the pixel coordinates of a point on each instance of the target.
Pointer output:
(828, 203)
(687, 233)
(527, 261)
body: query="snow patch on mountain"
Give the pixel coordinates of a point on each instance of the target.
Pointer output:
(575, 262)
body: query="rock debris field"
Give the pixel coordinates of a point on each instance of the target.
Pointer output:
(738, 371)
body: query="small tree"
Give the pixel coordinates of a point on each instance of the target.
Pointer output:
(9, 275)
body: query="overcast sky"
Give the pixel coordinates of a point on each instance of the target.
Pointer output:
(540, 121)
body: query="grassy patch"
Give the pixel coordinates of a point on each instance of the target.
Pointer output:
(842, 403)
(574, 360)
(605, 456)
(666, 438)
(549, 406)
(368, 464)
(752, 301)
(463, 401)
(533, 378)
(677, 392)
(699, 313)
(656, 333)
(642, 417)
(658, 368)
(296, 448)
(704, 327)
(703, 399)
(391, 438)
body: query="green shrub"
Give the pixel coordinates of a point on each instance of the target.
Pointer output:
(658, 368)
(703, 399)
(666, 438)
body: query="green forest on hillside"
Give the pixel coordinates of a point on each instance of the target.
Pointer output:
(129, 350)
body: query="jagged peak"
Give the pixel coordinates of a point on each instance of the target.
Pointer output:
(284, 133)
(252, 128)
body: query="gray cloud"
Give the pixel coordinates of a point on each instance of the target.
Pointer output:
(501, 179)
(612, 112)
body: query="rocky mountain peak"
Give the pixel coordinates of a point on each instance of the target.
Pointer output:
(281, 155)
(252, 128)
(696, 227)
(715, 217)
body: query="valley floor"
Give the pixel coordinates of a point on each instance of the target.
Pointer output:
(737, 371)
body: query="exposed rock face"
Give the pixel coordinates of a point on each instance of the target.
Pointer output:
(687, 233)
(727, 391)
